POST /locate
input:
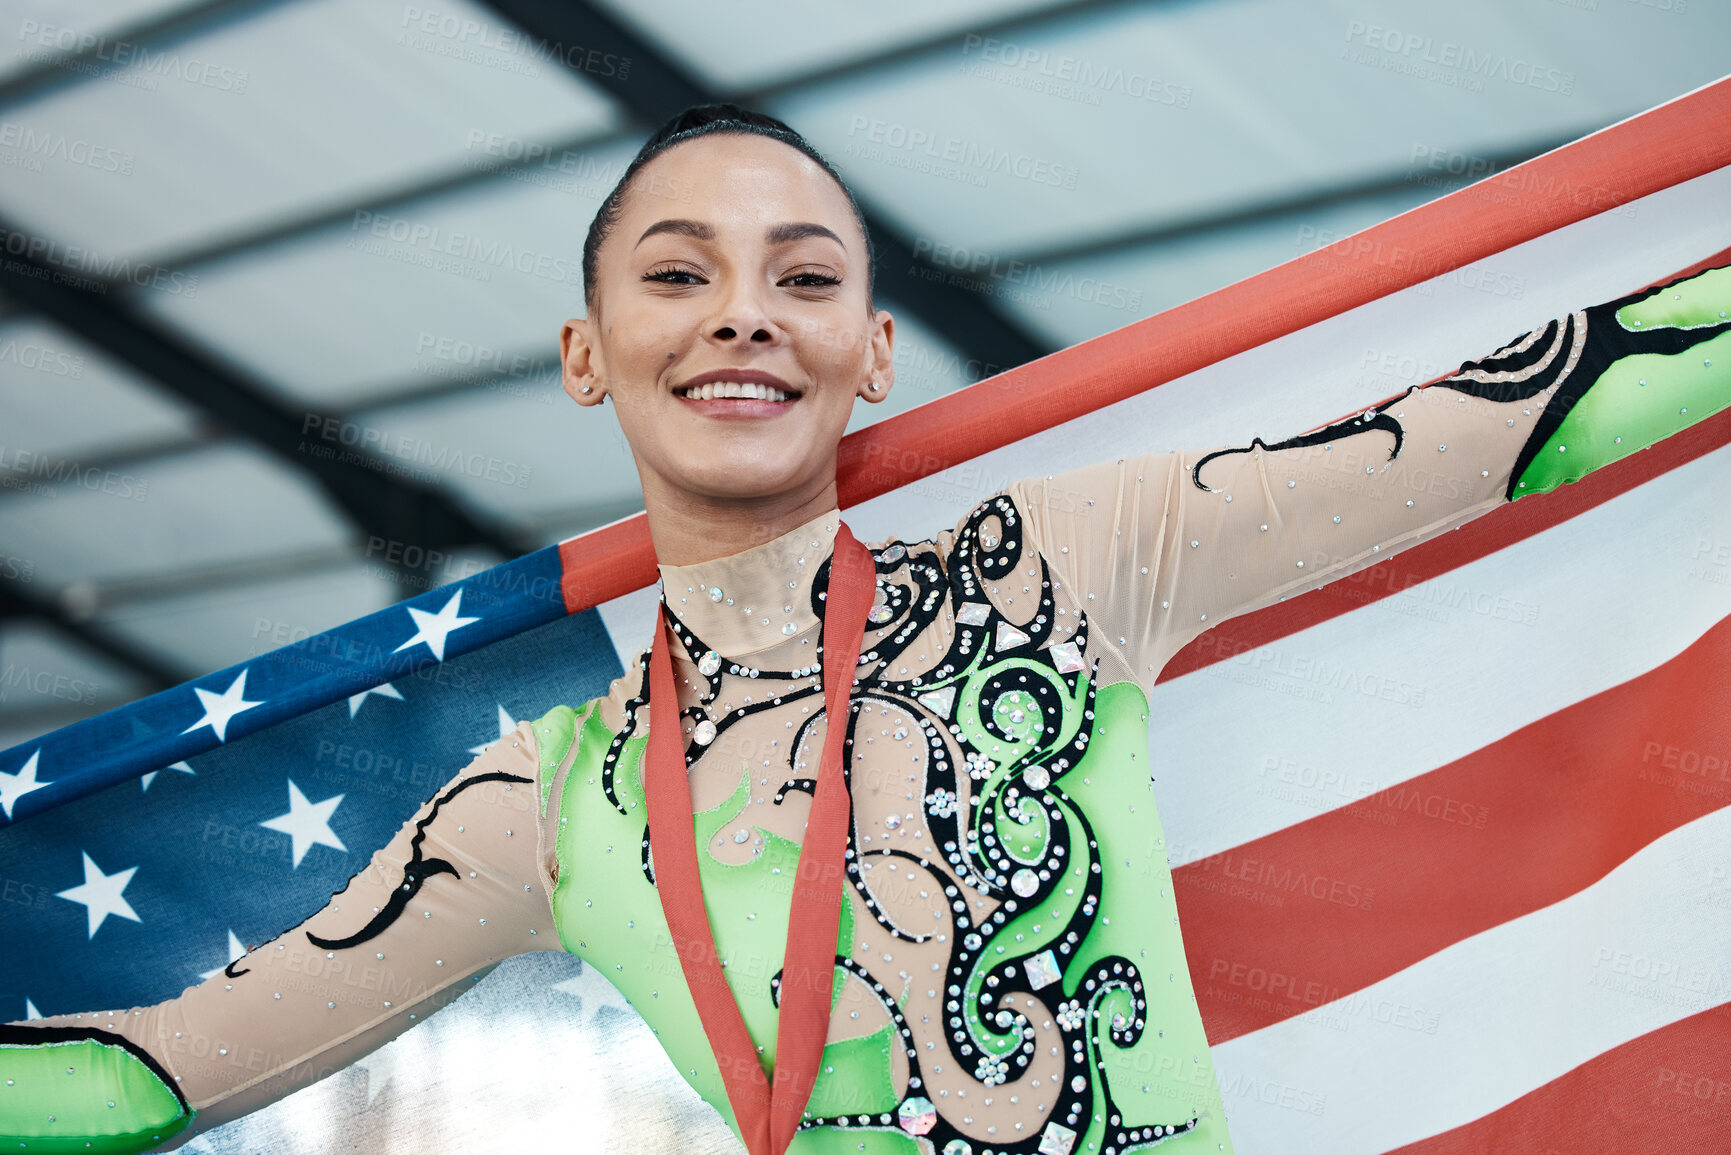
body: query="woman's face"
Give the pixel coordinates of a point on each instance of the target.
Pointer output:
(731, 325)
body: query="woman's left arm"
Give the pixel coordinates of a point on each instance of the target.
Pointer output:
(1171, 544)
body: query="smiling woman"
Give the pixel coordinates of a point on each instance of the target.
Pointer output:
(695, 320)
(866, 834)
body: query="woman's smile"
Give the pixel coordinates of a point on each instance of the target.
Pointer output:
(738, 394)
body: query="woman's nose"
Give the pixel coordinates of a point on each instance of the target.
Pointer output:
(742, 313)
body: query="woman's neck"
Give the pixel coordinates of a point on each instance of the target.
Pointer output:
(687, 529)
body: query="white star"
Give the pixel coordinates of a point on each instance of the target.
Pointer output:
(307, 822)
(506, 725)
(592, 987)
(235, 950)
(385, 691)
(151, 777)
(434, 628)
(30, 1011)
(219, 708)
(15, 786)
(101, 894)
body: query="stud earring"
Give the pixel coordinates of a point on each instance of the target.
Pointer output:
(588, 389)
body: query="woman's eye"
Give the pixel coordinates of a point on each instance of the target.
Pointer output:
(672, 276)
(812, 280)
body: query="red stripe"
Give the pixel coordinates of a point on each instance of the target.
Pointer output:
(1666, 1092)
(1328, 906)
(1670, 144)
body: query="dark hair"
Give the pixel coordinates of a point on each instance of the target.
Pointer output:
(705, 120)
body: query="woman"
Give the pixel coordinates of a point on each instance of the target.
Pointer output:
(947, 926)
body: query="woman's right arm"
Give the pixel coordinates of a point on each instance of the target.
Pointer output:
(461, 887)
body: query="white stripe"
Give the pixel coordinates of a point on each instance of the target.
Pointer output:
(1494, 1016)
(1373, 697)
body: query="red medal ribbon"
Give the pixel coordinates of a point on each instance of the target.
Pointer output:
(767, 1117)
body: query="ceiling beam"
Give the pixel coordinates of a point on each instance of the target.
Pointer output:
(359, 482)
(18, 600)
(102, 54)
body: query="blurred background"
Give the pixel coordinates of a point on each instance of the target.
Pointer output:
(281, 280)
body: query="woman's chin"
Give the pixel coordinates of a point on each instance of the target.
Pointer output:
(752, 480)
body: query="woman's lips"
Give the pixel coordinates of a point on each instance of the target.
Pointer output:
(739, 407)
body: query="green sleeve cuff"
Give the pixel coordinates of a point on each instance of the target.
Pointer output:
(70, 1090)
(1654, 365)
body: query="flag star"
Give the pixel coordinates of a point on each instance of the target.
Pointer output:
(433, 629)
(151, 777)
(235, 950)
(101, 894)
(306, 822)
(30, 1011)
(385, 691)
(219, 708)
(506, 725)
(15, 786)
(597, 993)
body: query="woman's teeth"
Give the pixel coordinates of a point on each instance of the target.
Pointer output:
(722, 389)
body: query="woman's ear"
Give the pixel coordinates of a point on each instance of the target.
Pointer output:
(579, 371)
(880, 364)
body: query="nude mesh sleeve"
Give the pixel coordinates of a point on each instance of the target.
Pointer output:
(1164, 546)
(1166, 558)
(458, 889)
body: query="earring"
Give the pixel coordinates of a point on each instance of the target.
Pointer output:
(588, 389)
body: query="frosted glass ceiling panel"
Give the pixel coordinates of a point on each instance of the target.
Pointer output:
(217, 628)
(522, 451)
(42, 669)
(223, 503)
(62, 398)
(451, 287)
(47, 31)
(308, 105)
(726, 44)
(1065, 302)
(1191, 110)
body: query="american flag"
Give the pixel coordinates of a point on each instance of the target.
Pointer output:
(1451, 837)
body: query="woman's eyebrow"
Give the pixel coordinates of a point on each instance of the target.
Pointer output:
(681, 225)
(798, 230)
